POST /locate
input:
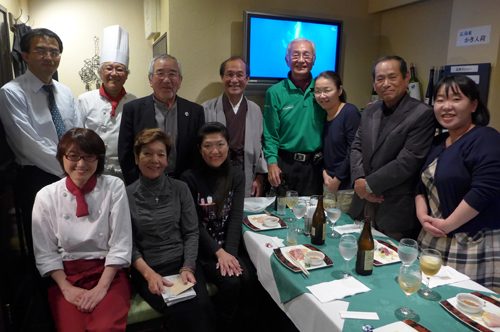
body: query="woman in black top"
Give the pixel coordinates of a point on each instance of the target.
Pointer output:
(218, 191)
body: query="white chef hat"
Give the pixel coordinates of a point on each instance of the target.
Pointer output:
(114, 45)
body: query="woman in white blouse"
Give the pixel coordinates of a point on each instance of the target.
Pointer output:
(82, 238)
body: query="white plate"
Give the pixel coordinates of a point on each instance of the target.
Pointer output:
(257, 226)
(476, 317)
(395, 327)
(382, 259)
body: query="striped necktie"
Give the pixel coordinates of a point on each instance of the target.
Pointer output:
(54, 111)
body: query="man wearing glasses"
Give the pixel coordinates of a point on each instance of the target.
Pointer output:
(293, 124)
(101, 110)
(36, 112)
(177, 116)
(243, 119)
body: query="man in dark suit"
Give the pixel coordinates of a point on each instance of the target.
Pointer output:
(163, 109)
(388, 151)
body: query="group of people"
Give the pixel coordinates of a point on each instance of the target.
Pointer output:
(188, 168)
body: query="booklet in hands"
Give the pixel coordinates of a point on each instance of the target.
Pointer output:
(178, 292)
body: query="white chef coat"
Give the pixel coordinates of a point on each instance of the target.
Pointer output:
(26, 117)
(94, 112)
(59, 235)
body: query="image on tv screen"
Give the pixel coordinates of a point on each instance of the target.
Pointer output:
(270, 37)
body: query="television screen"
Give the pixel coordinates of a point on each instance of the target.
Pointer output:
(267, 36)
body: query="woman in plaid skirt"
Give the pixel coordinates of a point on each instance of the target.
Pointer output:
(458, 198)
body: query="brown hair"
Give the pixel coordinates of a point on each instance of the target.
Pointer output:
(148, 136)
(85, 140)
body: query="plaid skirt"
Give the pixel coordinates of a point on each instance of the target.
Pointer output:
(475, 255)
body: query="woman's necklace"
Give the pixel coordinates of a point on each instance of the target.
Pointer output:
(157, 199)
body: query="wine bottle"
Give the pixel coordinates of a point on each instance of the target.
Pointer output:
(430, 88)
(364, 259)
(414, 85)
(440, 74)
(375, 96)
(318, 227)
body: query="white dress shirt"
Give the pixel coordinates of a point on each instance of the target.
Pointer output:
(94, 112)
(59, 235)
(26, 117)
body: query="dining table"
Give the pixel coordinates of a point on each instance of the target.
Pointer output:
(288, 288)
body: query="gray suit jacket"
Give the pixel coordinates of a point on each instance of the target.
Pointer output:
(391, 162)
(254, 157)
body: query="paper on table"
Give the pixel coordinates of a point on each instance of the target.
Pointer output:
(257, 204)
(278, 242)
(337, 289)
(351, 228)
(447, 275)
(359, 315)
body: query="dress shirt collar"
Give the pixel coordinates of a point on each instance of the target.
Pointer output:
(389, 110)
(35, 82)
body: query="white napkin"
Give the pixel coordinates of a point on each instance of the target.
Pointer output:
(447, 275)
(359, 315)
(337, 289)
(351, 228)
(257, 204)
(278, 242)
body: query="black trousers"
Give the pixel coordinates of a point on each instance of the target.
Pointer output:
(194, 315)
(305, 177)
(29, 181)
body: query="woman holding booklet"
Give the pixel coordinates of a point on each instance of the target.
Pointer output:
(165, 234)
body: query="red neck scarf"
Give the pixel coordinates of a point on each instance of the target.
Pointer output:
(82, 209)
(114, 101)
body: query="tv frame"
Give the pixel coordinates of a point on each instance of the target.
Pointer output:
(266, 82)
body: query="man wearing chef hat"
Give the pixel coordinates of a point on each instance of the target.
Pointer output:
(101, 110)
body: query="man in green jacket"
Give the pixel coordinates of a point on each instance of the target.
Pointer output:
(293, 124)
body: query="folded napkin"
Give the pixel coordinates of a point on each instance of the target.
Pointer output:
(359, 315)
(351, 228)
(447, 275)
(257, 204)
(337, 289)
(277, 241)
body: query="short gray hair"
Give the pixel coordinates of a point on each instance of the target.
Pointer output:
(102, 66)
(162, 56)
(300, 40)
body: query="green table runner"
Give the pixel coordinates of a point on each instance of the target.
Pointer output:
(384, 297)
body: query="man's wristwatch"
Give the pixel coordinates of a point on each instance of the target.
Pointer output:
(368, 189)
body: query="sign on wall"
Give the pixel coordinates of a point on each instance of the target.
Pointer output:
(474, 36)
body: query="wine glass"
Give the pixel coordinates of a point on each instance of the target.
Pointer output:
(292, 198)
(328, 201)
(407, 251)
(333, 214)
(410, 280)
(299, 210)
(348, 247)
(430, 263)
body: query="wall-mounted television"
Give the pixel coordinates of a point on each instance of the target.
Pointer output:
(266, 37)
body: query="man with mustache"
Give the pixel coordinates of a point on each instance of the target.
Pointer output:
(177, 116)
(293, 124)
(243, 119)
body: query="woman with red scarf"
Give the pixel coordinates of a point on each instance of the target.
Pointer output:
(82, 238)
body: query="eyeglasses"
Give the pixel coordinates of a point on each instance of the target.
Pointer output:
(319, 93)
(239, 76)
(118, 70)
(77, 157)
(45, 53)
(308, 56)
(162, 75)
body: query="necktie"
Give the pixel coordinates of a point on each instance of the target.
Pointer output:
(54, 111)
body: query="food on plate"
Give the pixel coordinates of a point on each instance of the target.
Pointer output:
(298, 253)
(385, 252)
(491, 319)
(474, 304)
(260, 220)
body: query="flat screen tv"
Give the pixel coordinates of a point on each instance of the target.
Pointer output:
(266, 37)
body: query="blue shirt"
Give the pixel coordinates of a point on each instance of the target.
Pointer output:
(338, 135)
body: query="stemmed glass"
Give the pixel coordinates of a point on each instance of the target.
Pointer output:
(348, 247)
(333, 214)
(407, 251)
(299, 210)
(430, 263)
(410, 280)
(292, 198)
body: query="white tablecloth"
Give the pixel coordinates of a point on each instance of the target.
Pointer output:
(305, 311)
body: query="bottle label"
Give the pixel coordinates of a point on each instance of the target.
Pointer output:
(313, 231)
(414, 90)
(368, 260)
(324, 231)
